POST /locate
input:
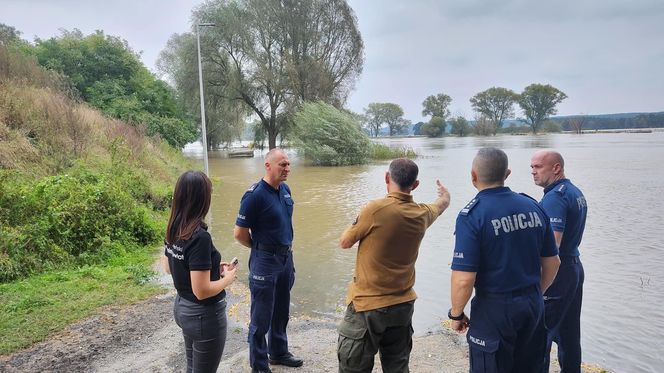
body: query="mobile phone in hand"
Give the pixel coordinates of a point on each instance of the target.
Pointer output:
(234, 262)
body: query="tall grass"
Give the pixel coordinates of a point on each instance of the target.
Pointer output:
(382, 152)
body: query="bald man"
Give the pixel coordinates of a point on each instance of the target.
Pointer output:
(566, 207)
(264, 224)
(505, 250)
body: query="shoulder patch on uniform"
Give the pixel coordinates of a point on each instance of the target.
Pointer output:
(561, 188)
(252, 187)
(466, 210)
(525, 195)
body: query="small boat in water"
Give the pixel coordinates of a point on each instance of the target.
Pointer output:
(240, 153)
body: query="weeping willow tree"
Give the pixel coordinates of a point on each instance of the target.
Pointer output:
(270, 56)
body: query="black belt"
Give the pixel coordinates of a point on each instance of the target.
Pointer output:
(570, 259)
(276, 249)
(508, 294)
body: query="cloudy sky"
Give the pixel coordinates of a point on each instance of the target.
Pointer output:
(607, 56)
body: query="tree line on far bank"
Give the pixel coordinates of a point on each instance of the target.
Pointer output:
(492, 107)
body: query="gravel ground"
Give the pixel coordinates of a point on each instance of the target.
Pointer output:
(144, 338)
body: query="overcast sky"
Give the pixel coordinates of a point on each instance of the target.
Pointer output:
(607, 56)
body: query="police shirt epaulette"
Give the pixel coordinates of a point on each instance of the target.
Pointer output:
(469, 206)
(561, 188)
(252, 187)
(525, 195)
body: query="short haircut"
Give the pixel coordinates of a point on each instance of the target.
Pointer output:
(269, 157)
(490, 164)
(555, 157)
(403, 172)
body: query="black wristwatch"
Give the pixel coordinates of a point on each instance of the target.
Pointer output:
(455, 318)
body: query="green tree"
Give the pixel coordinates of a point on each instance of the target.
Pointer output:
(374, 118)
(460, 126)
(330, 137)
(272, 56)
(496, 104)
(482, 126)
(109, 75)
(437, 106)
(385, 113)
(9, 35)
(538, 102)
(417, 128)
(434, 128)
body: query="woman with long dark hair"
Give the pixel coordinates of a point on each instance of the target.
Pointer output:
(199, 275)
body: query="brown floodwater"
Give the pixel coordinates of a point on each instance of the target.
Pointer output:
(623, 250)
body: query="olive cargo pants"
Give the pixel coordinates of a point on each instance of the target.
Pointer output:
(386, 330)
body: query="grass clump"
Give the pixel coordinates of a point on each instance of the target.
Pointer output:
(382, 152)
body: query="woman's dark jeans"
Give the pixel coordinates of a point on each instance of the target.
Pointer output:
(204, 331)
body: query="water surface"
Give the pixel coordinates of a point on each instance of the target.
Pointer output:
(621, 176)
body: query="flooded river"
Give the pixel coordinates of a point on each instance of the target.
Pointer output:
(621, 175)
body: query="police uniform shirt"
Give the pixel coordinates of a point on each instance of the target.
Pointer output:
(389, 230)
(566, 207)
(195, 254)
(267, 212)
(501, 236)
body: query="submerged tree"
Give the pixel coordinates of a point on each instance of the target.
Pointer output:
(495, 104)
(576, 123)
(330, 137)
(385, 113)
(434, 128)
(271, 56)
(225, 118)
(437, 106)
(538, 102)
(460, 126)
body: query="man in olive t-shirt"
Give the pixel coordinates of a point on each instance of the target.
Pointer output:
(381, 297)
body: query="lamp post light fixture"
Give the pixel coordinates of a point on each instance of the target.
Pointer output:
(200, 83)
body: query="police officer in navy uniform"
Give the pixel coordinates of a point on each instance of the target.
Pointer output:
(504, 249)
(264, 224)
(566, 207)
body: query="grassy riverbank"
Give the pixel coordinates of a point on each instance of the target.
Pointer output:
(37, 307)
(83, 204)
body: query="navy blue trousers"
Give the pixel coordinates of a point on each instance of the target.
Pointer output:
(563, 315)
(507, 331)
(271, 277)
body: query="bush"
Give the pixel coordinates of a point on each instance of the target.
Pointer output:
(434, 128)
(551, 127)
(70, 219)
(330, 137)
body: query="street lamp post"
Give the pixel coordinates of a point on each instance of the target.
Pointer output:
(200, 83)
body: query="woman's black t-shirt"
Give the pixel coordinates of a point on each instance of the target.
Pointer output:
(195, 254)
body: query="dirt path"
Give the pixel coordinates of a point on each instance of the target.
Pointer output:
(144, 338)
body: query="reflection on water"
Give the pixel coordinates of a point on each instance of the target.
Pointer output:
(620, 174)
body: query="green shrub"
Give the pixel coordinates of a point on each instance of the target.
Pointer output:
(330, 137)
(83, 218)
(551, 127)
